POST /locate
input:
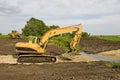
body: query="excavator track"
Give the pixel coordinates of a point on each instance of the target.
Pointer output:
(36, 59)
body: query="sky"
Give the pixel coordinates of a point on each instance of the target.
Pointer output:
(98, 17)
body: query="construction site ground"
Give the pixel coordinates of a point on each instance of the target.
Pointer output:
(80, 68)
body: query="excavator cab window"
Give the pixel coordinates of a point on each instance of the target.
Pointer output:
(38, 40)
(32, 39)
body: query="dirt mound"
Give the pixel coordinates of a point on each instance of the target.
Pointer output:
(90, 45)
(7, 46)
(54, 49)
(96, 45)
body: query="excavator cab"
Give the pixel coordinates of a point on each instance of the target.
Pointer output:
(34, 39)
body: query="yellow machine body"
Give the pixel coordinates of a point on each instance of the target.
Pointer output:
(36, 47)
(14, 34)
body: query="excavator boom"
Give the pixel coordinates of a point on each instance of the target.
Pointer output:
(51, 33)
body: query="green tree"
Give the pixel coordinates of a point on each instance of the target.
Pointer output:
(85, 34)
(53, 27)
(34, 27)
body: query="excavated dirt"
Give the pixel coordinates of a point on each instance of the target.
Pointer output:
(7, 46)
(54, 49)
(90, 45)
(95, 45)
(60, 71)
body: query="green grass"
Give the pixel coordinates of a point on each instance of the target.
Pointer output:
(116, 65)
(112, 38)
(113, 64)
(4, 36)
(63, 42)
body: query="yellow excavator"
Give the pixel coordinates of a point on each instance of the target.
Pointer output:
(35, 51)
(15, 35)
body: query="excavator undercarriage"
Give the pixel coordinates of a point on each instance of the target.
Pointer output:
(36, 58)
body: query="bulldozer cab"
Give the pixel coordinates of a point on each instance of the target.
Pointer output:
(14, 31)
(15, 34)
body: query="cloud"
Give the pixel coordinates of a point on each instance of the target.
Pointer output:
(61, 7)
(106, 25)
(7, 9)
(72, 7)
(91, 13)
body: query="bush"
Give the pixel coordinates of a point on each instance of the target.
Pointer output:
(113, 64)
(85, 34)
(0, 34)
(116, 65)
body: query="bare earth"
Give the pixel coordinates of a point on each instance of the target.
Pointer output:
(63, 69)
(75, 58)
(111, 54)
(95, 45)
(59, 71)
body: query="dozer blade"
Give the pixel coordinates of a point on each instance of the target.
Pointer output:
(36, 58)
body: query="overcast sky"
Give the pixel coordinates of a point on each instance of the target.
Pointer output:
(98, 17)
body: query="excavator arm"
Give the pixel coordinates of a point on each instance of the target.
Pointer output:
(51, 33)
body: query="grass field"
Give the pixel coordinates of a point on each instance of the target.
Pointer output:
(4, 36)
(62, 41)
(112, 37)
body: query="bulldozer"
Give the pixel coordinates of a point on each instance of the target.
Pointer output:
(36, 51)
(15, 35)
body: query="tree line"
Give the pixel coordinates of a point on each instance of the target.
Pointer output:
(36, 27)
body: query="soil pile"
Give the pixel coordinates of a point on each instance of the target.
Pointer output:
(90, 45)
(54, 50)
(7, 46)
(96, 45)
